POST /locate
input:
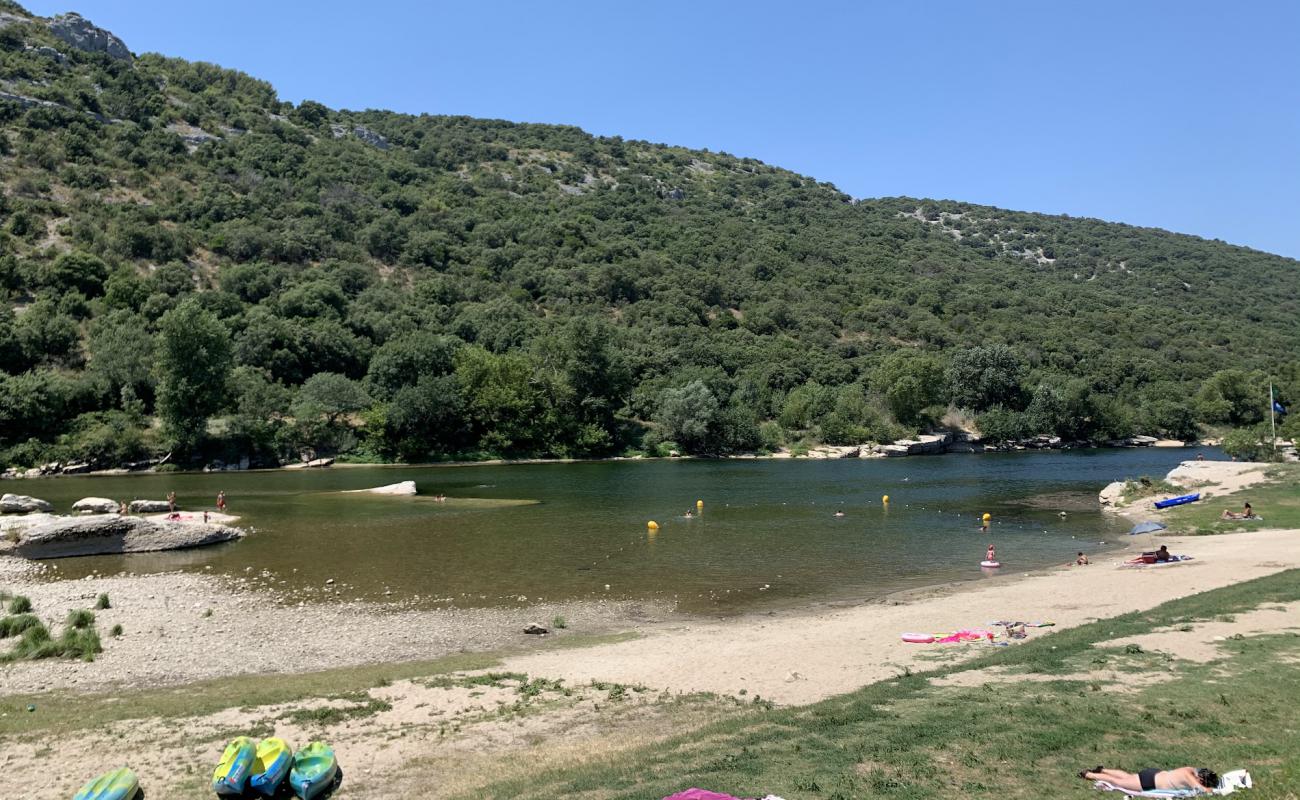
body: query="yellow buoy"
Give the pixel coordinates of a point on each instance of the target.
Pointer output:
(652, 525)
(699, 504)
(885, 499)
(987, 516)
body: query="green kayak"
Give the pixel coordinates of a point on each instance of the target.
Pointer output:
(315, 770)
(118, 784)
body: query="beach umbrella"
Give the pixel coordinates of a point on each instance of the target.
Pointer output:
(1147, 527)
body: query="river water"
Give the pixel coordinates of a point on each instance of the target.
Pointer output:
(767, 535)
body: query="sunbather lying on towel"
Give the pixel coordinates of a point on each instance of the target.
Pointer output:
(1149, 779)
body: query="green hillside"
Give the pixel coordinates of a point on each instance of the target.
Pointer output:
(191, 265)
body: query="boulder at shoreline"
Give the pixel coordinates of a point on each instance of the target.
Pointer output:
(95, 505)
(22, 504)
(110, 533)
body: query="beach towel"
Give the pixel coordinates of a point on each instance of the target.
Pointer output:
(704, 794)
(1229, 782)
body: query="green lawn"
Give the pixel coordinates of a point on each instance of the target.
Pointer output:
(909, 738)
(1277, 501)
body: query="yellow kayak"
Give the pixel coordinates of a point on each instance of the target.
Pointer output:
(231, 776)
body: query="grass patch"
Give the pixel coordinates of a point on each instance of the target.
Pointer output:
(1277, 502)
(907, 738)
(20, 605)
(35, 643)
(81, 619)
(559, 623)
(15, 625)
(102, 602)
(362, 706)
(117, 631)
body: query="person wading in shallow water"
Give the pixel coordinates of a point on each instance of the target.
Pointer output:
(221, 501)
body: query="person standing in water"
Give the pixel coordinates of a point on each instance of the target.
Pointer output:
(990, 554)
(221, 501)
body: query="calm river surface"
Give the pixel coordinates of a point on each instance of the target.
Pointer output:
(767, 536)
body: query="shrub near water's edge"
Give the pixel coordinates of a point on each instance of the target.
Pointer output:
(20, 605)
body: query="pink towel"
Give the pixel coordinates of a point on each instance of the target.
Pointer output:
(700, 794)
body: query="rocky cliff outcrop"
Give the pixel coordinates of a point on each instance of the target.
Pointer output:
(77, 31)
(110, 533)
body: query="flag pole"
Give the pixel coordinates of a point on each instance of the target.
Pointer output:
(1272, 416)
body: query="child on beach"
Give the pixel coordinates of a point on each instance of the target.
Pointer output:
(1082, 560)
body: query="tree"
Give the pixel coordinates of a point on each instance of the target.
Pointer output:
(329, 396)
(122, 355)
(193, 363)
(1046, 412)
(980, 378)
(1233, 396)
(687, 413)
(911, 382)
(77, 271)
(1250, 444)
(322, 409)
(426, 419)
(260, 407)
(403, 362)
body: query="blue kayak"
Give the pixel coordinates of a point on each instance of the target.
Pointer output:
(1178, 501)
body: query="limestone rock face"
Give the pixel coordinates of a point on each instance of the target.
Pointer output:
(110, 533)
(372, 138)
(95, 505)
(22, 504)
(78, 32)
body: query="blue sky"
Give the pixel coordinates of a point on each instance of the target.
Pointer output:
(1182, 115)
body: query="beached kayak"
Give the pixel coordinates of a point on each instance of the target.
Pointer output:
(118, 784)
(231, 776)
(270, 766)
(1178, 501)
(314, 770)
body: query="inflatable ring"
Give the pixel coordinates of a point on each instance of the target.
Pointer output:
(990, 563)
(918, 638)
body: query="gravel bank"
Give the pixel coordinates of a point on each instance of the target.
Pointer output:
(182, 627)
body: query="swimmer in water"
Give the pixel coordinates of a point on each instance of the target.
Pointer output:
(690, 514)
(839, 513)
(991, 554)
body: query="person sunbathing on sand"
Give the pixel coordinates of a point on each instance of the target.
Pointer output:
(1082, 560)
(1148, 780)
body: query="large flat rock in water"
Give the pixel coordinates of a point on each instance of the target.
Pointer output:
(110, 533)
(403, 489)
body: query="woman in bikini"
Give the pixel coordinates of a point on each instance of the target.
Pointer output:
(1151, 779)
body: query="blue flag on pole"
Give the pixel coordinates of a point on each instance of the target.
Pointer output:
(1278, 407)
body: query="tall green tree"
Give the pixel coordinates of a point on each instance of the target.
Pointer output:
(980, 378)
(193, 364)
